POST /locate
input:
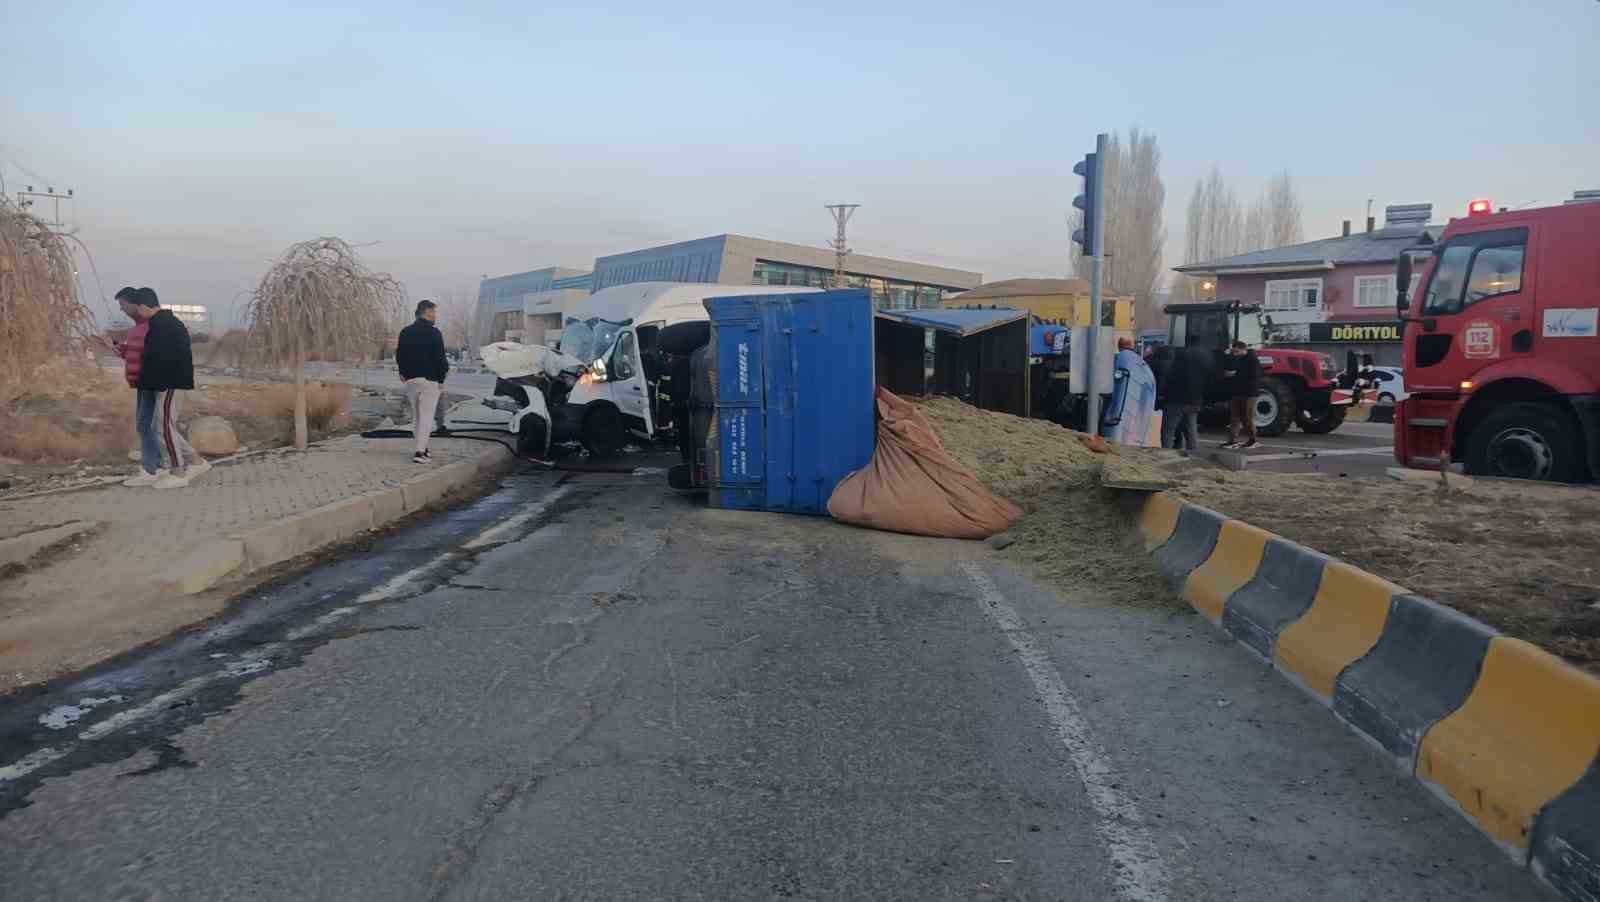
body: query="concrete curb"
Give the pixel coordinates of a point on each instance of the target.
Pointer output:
(1506, 734)
(211, 562)
(16, 550)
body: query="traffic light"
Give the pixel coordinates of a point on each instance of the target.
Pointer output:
(1090, 171)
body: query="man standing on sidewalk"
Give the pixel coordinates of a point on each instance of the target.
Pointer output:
(420, 357)
(166, 367)
(1242, 375)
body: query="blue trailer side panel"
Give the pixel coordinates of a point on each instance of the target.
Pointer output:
(794, 385)
(739, 350)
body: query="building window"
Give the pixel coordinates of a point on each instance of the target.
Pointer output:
(1286, 295)
(1374, 291)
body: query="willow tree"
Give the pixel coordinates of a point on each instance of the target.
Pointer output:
(318, 300)
(41, 315)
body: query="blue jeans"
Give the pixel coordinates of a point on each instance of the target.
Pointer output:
(158, 431)
(149, 444)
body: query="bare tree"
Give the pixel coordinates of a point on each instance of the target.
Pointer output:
(1134, 230)
(319, 298)
(457, 308)
(1278, 212)
(1214, 226)
(41, 314)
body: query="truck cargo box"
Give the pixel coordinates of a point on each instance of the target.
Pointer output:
(793, 408)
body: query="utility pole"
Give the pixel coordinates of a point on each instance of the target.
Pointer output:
(1092, 237)
(841, 215)
(50, 192)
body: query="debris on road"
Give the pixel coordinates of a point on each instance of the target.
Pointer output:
(1074, 529)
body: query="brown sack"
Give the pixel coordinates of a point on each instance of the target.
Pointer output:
(913, 485)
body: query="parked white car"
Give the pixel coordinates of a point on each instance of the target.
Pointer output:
(1389, 384)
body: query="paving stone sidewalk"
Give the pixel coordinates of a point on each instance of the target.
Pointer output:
(114, 573)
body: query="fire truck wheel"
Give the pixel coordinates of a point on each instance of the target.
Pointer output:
(1276, 408)
(1526, 440)
(1323, 422)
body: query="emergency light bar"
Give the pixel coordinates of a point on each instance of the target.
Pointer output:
(1481, 207)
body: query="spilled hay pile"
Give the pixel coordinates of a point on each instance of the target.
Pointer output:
(1075, 531)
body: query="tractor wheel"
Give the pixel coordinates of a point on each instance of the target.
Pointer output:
(1526, 440)
(1275, 409)
(1321, 423)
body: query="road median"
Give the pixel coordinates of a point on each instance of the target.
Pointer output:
(1506, 733)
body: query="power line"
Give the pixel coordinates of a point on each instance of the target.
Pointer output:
(49, 192)
(841, 215)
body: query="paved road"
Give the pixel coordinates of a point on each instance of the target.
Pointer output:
(1354, 449)
(588, 688)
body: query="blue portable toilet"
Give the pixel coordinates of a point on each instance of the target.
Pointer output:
(793, 398)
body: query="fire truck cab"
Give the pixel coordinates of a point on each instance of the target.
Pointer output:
(1502, 355)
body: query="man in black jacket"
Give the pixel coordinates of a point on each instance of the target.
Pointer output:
(423, 366)
(1242, 375)
(1185, 391)
(166, 368)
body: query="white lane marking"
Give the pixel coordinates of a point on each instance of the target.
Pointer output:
(62, 716)
(165, 700)
(1137, 866)
(397, 584)
(493, 533)
(30, 763)
(261, 658)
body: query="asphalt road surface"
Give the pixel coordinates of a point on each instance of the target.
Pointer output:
(587, 687)
(1354, 449)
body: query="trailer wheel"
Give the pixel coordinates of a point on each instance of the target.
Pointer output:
(1526, 440)
(1275, 408)
(1323, 423)
(603, 433)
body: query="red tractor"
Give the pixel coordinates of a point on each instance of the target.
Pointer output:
(1297, 387)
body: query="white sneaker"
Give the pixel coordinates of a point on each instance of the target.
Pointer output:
(170, 481)
(198, 467)
(141, 478)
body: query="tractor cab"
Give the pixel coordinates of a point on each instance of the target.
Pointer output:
(1297, 386)
(1215, 325)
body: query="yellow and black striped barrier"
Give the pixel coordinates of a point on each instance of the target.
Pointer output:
(1505, 733)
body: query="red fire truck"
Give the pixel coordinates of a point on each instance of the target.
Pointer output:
(1502, 355)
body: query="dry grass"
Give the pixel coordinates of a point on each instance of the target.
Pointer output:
(327, 407)
(37, 440)
(68, 421)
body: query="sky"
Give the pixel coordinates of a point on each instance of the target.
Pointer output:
(201, 139)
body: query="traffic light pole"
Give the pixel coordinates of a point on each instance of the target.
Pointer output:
(1097, 242)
